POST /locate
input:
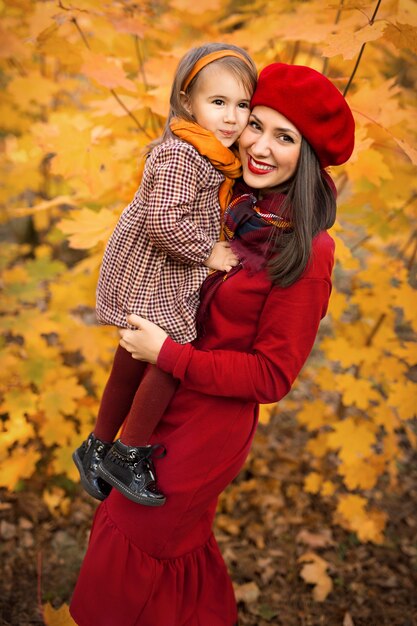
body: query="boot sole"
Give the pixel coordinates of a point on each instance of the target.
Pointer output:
(89, 489)
(119, 486)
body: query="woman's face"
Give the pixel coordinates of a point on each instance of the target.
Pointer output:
(269, 148)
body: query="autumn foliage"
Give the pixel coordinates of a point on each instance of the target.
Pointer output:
(85, 89)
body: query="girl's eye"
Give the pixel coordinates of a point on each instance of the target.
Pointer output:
(243, 105)
(218, 102)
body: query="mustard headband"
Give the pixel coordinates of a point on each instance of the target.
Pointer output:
(209, 58)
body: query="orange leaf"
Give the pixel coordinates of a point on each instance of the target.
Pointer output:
(87, 228)
(315, 573)
(402, 36)
(348, 44)
(57, 617)
(106, 71)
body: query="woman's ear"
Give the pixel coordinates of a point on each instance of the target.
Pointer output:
(185, 101)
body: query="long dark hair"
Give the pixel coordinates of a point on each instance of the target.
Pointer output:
(311, 205)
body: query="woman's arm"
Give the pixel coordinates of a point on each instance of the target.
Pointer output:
(287, 329)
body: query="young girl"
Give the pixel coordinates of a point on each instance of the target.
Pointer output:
(159, 255)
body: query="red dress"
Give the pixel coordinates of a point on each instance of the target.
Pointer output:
(161, 566)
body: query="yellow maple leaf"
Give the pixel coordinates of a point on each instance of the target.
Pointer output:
(406, 299)
(323, 377)
(369, 165)
(60, 396)
(10, 44)
(48, 430)
(29, 322)
(362, 473)
(18, 403)
(348, 43)
(354, 440)
(344, 351)
(313, 482)
(328, 488)
(89, 340)
(384, 415)
(343, 253)
(57, 617)
(402, 36)
(338, 304)
(314, 572)
(40, 360)
(56, 501)
(362, 140)
(194, 7)
(82, 287)
(360, 392)
(372, 527)
(266, 411)
(87, 228)
(62, 457)
(406, 351)
(32, 89)
(19, 465)
(315, 414)
(318, 446)
(378, 104)
(106, 71)
(41, 18)
(351, 506)
(131, 25)
(68, 54)
(110, 106)
(352, 515)
(403, 397)
(17, 274)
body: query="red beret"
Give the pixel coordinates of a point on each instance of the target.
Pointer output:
(313, 104)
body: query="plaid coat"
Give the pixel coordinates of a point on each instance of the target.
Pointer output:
(152, 265)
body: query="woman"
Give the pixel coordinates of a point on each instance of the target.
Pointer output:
(162, 567)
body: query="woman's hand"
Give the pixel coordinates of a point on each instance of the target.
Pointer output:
(145, 343)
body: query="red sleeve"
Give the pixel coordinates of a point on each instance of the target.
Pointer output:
(287, 329)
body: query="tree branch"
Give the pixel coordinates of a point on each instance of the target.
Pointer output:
(336, 21)
(361, 52)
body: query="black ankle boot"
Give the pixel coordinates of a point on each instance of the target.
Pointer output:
(87, 458)
(130, 470)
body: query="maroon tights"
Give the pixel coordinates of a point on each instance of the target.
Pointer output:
(136, 394)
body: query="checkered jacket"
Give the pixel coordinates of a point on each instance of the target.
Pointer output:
(152, 264)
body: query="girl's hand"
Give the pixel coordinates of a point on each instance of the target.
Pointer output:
(145, 343)
(222, 257)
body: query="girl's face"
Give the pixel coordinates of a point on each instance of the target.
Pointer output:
(219, 103)
(269, 148)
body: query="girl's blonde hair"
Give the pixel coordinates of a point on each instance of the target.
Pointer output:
(245, 74)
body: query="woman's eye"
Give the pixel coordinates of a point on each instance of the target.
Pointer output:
(287, 138)
(254, 125)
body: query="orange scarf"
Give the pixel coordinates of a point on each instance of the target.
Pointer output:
(222, 158)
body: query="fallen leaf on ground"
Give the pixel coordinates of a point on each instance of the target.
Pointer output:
(57, 617)
(247, 593)
(314, 573)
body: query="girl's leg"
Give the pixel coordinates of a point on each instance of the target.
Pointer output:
(119, 392)
(128, 466)
(149, 404)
